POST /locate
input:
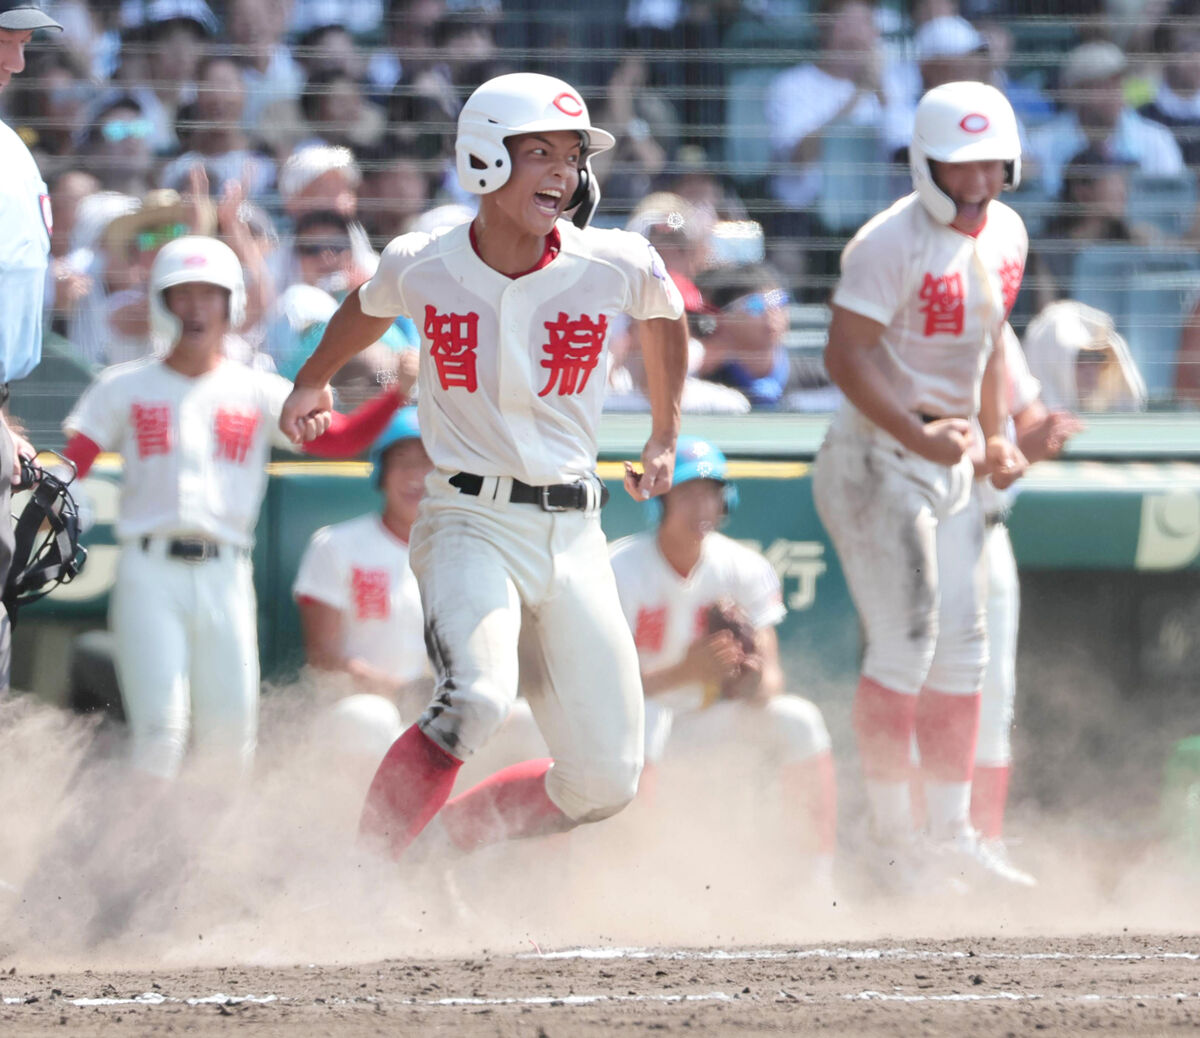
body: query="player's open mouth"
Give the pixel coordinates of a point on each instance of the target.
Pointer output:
(548, 200)
(971, 210)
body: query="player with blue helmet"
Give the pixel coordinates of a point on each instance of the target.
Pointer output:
(703, 610)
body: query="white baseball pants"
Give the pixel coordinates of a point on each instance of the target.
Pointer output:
(186, 645)
(1000, 679)
(478, 561)
(916, 576)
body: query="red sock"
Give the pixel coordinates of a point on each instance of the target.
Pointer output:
(947, 727)
(510, 804)
(989, 797)
(883, 720)
(811, 785)
(410, 786)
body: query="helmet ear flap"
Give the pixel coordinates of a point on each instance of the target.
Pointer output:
(483, 165)
(586, 198)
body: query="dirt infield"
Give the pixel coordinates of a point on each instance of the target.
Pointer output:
(1131, 984)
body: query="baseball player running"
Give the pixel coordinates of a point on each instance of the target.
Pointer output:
(514, 310)
(360, 609)
(703, 610)
(194, 430)
(915, 344)
(24, 254)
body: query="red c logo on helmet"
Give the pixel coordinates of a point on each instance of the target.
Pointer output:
(975, 122)
(568, 104)
(195, 260)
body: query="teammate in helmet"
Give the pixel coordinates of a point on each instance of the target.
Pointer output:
(194, 430)
(515, 310)
(916, 345)
(714, 694)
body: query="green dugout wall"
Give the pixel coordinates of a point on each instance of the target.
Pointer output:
(1115, 520)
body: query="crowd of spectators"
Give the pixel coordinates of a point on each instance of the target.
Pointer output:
(308, 133)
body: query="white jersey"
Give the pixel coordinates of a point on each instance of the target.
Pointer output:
(194, 449)
(1023, 390)
(667, 612)
(361, 569)
(512, 369)
(24, 254)
(941, 294)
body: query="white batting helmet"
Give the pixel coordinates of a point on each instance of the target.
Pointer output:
(187, 260)
(961, 122)
(522, 102)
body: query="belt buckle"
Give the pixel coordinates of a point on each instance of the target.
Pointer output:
(192, 549)
(544, 500)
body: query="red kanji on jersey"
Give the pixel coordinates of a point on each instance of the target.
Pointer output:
(234, 432)
(152, 427)
(370, 587)
(650, 629)
(944, 306)
(700, 622)
(573, 350)
(453, 340)
(1011, 272)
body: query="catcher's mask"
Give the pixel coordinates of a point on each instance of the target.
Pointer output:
(46, 549)
(697, 459)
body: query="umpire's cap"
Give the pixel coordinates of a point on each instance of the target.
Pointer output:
(403, 426)
(25, 15)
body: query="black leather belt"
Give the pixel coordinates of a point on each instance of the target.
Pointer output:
(927, 418)
(190, 549)
(991, 519)
(558, 497)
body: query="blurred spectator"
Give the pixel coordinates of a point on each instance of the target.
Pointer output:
(744, 342)
(1093, 207)
(46, 106)
(115, 143)
(840, 92)
(322, 255)
(112, 324)
(337, 114)
(682, 234)
(324, 179)
(360, 17)
(948, 49)
(646, 126)
(328, 47)
(272, 78)
(1097, 115)
(215, 136)
(66, 284)
(163, 50)
(393, 68)
(692, 178)
(1177, 102)
(1081, 361)
(1187, 367)
(90, 33)
(397, 187)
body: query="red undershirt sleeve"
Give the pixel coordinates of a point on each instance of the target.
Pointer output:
(349, 435)
(82, 453)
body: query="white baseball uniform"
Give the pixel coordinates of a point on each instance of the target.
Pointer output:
(511, 387)
(360, 568)
(667, 613)
(185, 628)
(941, 296)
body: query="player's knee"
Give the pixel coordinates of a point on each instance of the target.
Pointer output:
(462, 721)
(959, 665)
(597, 793)
(901, 664)
(800, 726)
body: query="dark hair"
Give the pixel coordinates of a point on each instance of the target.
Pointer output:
(321, 218)
(317, 88)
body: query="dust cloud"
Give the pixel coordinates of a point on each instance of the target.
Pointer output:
(98, 870)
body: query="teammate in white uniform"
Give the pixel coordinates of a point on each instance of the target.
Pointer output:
(514, 310)
(24, 254)
(668, 579)
(194, 430)
(915, 344)
(1040, 433)
(360, 609)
